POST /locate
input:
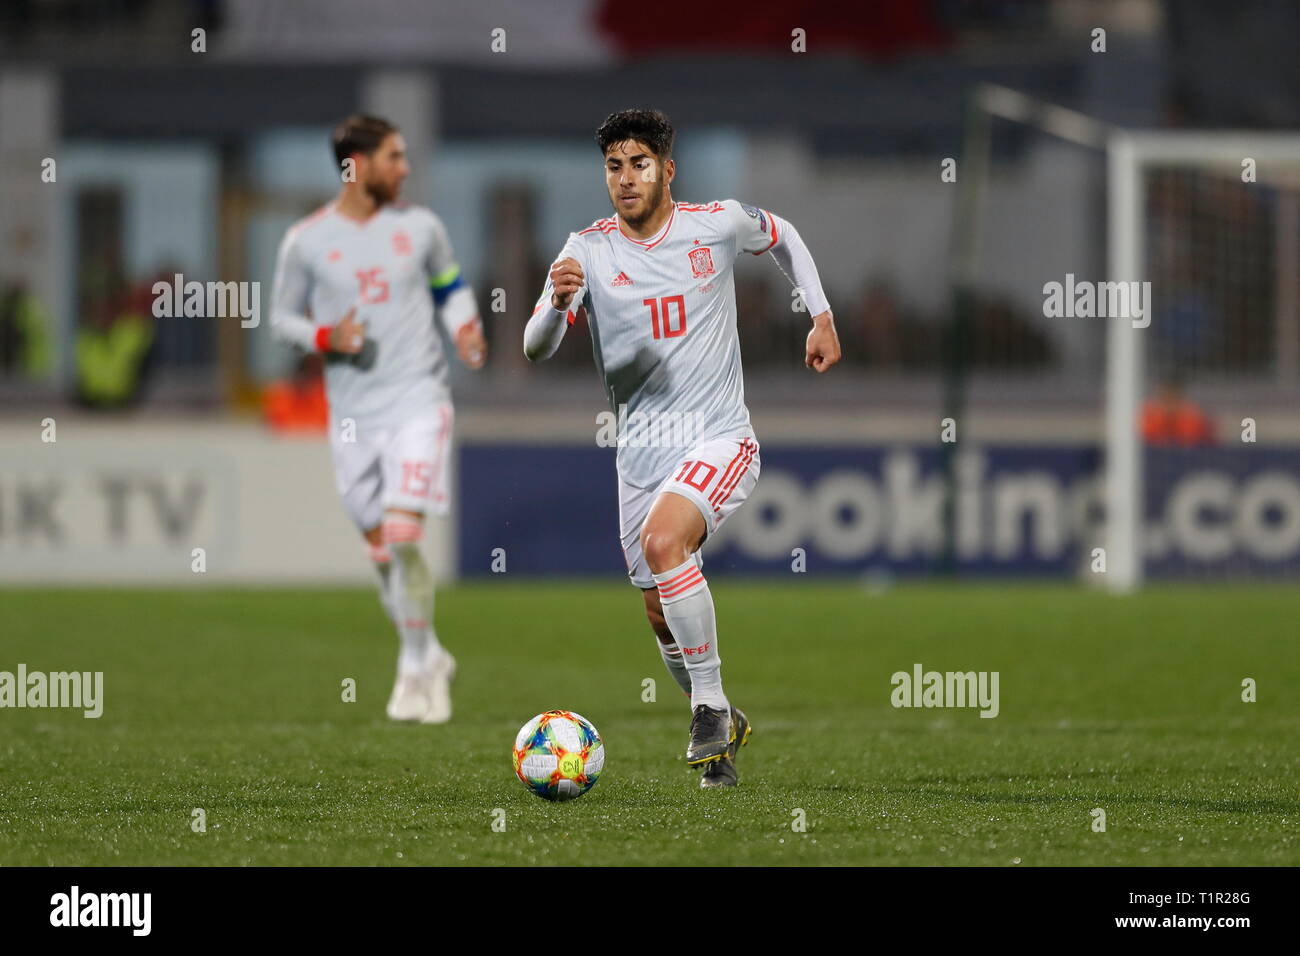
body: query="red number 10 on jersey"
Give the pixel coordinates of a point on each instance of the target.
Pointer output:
(669, 332)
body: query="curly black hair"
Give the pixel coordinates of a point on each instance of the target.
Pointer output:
(651, 127)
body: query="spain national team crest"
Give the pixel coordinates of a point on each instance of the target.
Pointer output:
(401, 244)
(701, 262)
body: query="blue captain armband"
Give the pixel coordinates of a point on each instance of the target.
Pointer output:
(445, 283)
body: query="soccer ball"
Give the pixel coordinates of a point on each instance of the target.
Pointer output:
(559, 755)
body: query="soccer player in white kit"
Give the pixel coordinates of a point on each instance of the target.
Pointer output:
(358, 280)
(655, 280)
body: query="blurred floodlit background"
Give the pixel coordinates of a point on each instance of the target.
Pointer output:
(182, 152)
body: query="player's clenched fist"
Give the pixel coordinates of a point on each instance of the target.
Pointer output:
(823, 344)
(348, 335)
(471, 345)
(567, 278)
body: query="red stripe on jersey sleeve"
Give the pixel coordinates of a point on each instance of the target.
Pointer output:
(773, 242)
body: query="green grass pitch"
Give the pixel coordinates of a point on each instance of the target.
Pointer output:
(231, 701)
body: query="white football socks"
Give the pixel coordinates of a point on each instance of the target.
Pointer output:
(672, 655)
(411, 593)
(688, 609)
(383, 564)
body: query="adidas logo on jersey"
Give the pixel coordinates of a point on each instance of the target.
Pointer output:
(621, 279)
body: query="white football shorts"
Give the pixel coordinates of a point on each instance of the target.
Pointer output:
(717, 475)
(406, 467)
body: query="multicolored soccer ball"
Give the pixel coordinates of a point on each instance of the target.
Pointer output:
(559, 755)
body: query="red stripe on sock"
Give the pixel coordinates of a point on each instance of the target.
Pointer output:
(401, 531)
(683, 587)
(677, 577)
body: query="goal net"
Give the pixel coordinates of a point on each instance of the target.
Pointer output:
(1161, 419)
(1202, 443)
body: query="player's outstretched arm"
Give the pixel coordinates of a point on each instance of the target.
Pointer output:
(757, 231)
(550, 317)
(793, 258)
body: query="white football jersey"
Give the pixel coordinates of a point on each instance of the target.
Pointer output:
(389, 268)
(662, 315)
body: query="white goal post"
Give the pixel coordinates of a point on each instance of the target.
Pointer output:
(1134, 160)
(1130, 154)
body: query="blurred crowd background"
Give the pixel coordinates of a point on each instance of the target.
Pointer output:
(189, 152)
(171, 160)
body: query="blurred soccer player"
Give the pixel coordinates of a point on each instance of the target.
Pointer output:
(655, 280)
(354, 281)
